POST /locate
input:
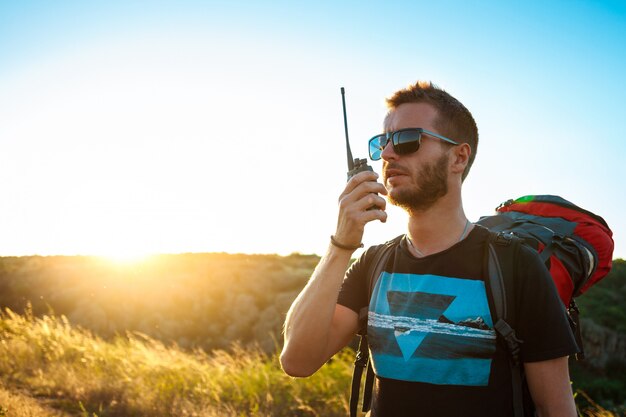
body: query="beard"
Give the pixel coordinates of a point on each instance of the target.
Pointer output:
(432, 184)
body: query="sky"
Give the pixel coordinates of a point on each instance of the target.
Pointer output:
(136, 127)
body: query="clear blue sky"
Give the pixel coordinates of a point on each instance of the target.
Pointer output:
(129, 127)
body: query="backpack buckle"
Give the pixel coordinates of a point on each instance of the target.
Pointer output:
(512, 342)
(504, 238)
(362, 354)
(505, 204)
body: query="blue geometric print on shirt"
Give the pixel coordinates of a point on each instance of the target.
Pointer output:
(433, 329)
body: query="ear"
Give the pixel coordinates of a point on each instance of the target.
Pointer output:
(460, 158)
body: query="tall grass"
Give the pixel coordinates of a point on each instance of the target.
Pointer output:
(135, 375)
(81, 374)
(19, 404)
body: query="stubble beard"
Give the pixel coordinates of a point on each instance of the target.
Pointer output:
(432, 184)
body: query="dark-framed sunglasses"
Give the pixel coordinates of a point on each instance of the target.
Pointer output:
(404, 141)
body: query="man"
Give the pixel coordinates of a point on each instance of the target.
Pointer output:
(430, 327)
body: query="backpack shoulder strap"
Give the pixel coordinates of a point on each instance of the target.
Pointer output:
(501, 254)
(379, 260)
(376, 266)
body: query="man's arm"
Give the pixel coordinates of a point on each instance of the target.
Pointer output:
(316, 327)
(550, 388)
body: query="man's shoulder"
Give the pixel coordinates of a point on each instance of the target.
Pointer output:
(365, 263)
(479, 234)
(376, 250)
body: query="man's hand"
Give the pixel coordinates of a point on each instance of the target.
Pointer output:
(359, 204)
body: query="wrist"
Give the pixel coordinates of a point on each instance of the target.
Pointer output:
(344, 246)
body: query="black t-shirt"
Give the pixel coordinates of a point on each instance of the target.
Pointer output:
(430, 329)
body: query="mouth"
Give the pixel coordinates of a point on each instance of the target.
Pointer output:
(392, 172)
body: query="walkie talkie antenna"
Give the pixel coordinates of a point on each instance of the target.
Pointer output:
(354, 165)
(345, 125)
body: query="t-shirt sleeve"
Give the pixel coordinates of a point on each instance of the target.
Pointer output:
(353, 292)
(542, 322)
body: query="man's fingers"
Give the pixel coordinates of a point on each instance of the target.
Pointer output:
(363, 188)
(361, 177)
(375, 214)
(356, 202)
(354, 215)
(371, 201)
(359, 204)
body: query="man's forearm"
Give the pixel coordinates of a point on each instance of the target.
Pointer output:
(309, 320)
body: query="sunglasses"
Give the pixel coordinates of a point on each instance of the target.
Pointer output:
(404, 141)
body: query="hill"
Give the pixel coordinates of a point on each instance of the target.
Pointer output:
(196, 300)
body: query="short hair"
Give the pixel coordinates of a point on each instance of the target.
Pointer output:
(455, 121)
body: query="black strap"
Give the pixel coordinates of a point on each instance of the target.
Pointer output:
(362, 356)
(360, 362)
(574, 317)
(548, 250)
(501, 253)
(369, 388)
(496, 283)
(380, 262)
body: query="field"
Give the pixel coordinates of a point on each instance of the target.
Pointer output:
(135, 375)
(186, 335)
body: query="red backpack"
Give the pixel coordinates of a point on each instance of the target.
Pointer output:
(575, 244)
(577, 248)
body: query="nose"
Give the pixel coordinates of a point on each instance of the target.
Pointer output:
(388, 152)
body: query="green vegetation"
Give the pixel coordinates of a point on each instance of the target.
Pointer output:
(196, 300)
(80, 374)
(19, 404)
(139, 376)
(197, 335)
(606, 387)
(602, 375)
(604, 302)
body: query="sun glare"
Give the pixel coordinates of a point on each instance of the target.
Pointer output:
(126, 258)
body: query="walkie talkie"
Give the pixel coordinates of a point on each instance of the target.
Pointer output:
(355, 165)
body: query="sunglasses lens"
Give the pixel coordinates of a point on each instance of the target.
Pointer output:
(406, 142)
(376, 146)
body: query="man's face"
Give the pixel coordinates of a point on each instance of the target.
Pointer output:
(415, 181)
